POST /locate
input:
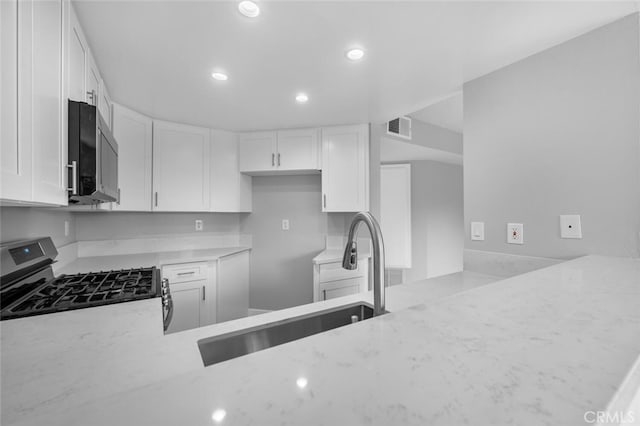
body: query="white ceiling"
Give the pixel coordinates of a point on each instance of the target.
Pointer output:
(392, 150)
(157, 56)
(446, 113)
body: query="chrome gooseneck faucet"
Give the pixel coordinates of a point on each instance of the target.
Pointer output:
(350, 258)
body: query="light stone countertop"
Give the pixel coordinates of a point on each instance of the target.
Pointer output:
(76, 357)
(144, 260)
(540, 348)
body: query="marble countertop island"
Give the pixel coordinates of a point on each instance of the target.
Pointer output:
(540, 348)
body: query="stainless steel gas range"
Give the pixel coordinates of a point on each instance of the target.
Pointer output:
(28, 285)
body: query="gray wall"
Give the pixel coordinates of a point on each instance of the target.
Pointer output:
(436, 220)
(116, 225)
(558, 133)
(27, 222)
(281, 268)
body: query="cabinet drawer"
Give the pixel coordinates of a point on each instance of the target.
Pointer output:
(185, 272)
(340, 288)
(334, 271)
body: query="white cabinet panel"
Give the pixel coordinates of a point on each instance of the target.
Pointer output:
(395, 214)
(133, 132)
(77, 59)
(180, 167)
(105, 104)
(341, 288)
(93, 80)
(257, 151)
(33, 149)
(230, 190)
(233, 287)
(345, 169)
(47, 103)
(15, 154)
(298, 149)
(189, 306)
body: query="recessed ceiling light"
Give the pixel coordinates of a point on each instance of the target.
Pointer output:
(302, 98)
(249, 9)
(355, 54)
(218, 415)
(219, 76)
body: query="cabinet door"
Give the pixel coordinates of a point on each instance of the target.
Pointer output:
(233, 287)
(230, 189)
(189, 305)
(180, 167)
(93, 80)
(77, 59)
(257, 151)
(345, 169)
(298, 149)
(133, 132)
(49, 148)
(105, 105)
(15, 153)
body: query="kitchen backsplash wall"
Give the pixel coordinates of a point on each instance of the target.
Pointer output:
(18, 223)
(123, 225)
(557, 133)
(281, 268)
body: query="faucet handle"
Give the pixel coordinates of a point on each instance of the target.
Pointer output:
(350, 258)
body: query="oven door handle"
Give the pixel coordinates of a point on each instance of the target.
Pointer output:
(167, 303)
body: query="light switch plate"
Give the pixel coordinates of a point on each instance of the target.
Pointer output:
(570, 226)
(515, 233)
(477, 231)
(285, 224)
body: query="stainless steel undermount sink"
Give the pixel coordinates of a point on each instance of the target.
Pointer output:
(232, 345)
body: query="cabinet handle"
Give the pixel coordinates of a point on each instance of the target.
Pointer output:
(324, 200)
(186, 273)
(273, 159)
(204, 294)
(74, 177)
(324, 294)
(156, 195)
(278, 159)
(118, 201)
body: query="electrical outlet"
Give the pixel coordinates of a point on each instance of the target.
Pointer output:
(199, 225)
(570, 226)
(477, 231)
(66, 228)
(285, 224)
(515, 233)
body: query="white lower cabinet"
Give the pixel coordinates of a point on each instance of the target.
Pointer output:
(205, 293)
(330, 280)
(233, 287)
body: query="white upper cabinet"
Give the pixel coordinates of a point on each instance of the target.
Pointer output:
(133, 132)
(181, 161)
(230, 190)
(298, 149)
(15, 155)
(105, 105)
(93, 80)
(283, 151)
(345, 169)
(77, 53)
(33, 148)
(257, 151)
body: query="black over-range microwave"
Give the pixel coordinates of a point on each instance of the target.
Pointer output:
(93, 156)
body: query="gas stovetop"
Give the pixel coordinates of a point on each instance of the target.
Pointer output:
(40, 295)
